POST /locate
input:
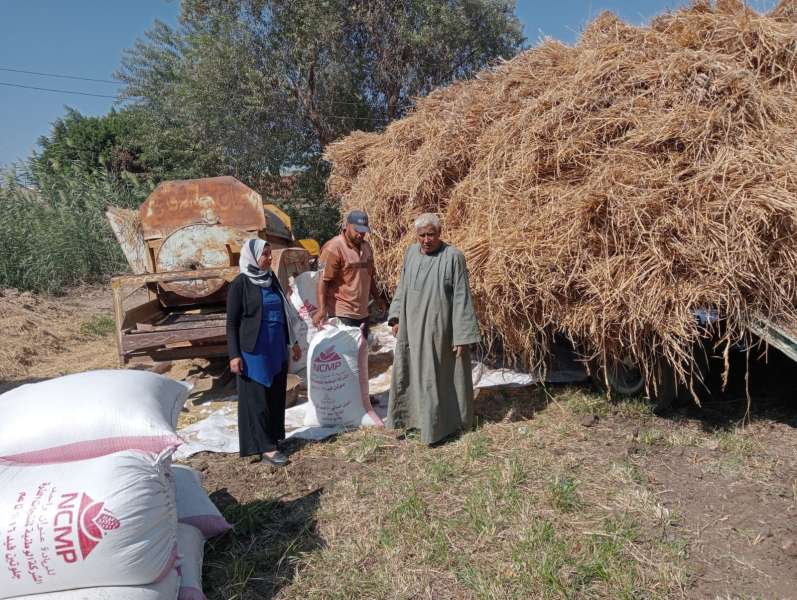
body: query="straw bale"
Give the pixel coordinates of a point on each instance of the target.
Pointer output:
(606, 191)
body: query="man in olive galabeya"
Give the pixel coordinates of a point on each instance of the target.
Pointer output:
(433, 317)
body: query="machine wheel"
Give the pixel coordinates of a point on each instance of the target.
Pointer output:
(625, 380)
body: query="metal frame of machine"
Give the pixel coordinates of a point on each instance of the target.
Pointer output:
(182, 245)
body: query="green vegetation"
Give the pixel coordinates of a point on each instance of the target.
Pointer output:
(57, 236)
(562, 491)
(98, 326)
(249, 89)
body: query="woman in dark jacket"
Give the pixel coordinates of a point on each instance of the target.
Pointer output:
(259, 332)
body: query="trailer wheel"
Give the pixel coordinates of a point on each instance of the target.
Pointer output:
(624, 378)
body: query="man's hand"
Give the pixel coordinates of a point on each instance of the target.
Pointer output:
(458, 350)
(237, 366)
(318, 319)
(296, 351)
(395, 330)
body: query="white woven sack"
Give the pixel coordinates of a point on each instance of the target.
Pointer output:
(90, 414)
(304, 298)
(194, 507)
(167, 589)
(191, 547)
(338, 378)
(106, 521)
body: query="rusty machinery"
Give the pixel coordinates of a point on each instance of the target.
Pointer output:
(183, 246)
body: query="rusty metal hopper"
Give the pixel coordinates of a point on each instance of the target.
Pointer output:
(211, 201)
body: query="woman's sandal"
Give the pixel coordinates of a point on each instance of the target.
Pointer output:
(278, 459)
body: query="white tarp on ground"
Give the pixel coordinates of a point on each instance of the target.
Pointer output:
(218, 432)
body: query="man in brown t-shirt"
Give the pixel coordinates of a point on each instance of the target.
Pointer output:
(347, 281)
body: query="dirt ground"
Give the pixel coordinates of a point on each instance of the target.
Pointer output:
(558, 493)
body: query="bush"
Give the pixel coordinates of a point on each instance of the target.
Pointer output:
(50, 240)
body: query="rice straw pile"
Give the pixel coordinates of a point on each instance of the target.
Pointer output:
(606, 191)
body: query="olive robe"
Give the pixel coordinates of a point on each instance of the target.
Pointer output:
(432, 389)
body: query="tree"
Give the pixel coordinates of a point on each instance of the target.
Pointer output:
(84, 144)
(252, 87)
(116, 143)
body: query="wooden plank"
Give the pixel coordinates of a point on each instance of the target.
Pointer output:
(185, 317)
(208, 351)
(181, 326)
(777, 336)
(118, 316)
(140, 341)
(142, 313)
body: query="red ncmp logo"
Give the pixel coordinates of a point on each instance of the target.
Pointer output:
(328, 356)
(81, 526)
(328, 360)
(307, 310)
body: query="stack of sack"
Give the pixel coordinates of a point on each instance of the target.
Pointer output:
(91, 506)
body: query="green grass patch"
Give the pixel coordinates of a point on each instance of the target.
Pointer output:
(478, 445)
(584, 403)
(735, 443)
(403, 521)
(98, 326)
(441, 471)
(652, 437)
(366, 448)
(483, 516)
(635, 408)
(563, 494)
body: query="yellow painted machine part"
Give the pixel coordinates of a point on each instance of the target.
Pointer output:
(311, 246)
(281, 215)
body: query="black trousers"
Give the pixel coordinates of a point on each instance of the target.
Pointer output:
(349, 322)
(261, 414)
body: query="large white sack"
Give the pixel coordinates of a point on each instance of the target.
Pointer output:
(191, 548)
(90, 414)
(337, 369)
(304, 298)
(166, 589)
(194, 507)
(105, 521)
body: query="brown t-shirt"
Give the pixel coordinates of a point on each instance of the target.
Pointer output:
(348, 273)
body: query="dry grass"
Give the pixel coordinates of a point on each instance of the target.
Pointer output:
(508, 511)
(38, 327)
(528, 508)
(606, 191)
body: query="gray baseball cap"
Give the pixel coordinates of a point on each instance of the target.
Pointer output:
(359, 219)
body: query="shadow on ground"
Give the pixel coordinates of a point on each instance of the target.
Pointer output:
(260, 555)
(760, 386)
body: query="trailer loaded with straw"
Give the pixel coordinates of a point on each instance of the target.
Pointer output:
(605, 193)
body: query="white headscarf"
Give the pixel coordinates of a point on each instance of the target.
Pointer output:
(251, 252)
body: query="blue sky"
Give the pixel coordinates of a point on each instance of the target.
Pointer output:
(86, 38)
